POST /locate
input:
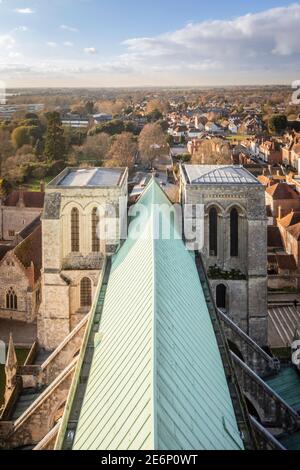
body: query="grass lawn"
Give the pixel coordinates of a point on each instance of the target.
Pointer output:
(21, 355)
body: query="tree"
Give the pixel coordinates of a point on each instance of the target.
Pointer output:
(123, 151)
(55, 148)
(161, 106)
(111, 127)
(95, 149)
(213, 152)
(20, 136)
(6, 148)
(278, 123)
(152, 143)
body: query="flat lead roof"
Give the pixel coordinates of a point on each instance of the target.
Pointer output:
(221, 174)
(91, 177)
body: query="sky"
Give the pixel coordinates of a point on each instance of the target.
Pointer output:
(96, 43)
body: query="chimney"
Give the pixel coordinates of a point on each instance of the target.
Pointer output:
(20, 202)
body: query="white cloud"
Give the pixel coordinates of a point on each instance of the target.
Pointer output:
(21, 28)
(248, 49)
(253, 40)
(24, 11)
(68, 28)
(6, 41)
(90, 50)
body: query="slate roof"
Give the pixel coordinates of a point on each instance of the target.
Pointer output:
(157, 380)
(219, 174)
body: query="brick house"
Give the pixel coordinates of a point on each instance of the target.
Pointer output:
(282, 199)
(270, 152)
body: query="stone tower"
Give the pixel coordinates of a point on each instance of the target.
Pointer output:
(235, 240)
(72, 251)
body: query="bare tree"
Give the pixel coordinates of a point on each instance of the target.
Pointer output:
(94, 149)
(152, 143)
(213, 152)
(123, 151)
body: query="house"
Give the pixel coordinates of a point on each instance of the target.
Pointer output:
(194, 133)
(232, 127)
(270, 152)
(75, 121)
(20, 278)
(282, 199)
(253, 125)
(102, 117)
(295, 157)
(212, 128)
(18, 210)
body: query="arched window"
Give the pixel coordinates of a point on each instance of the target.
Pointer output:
(95, 238)
(75, 230)
(221, 296)
(213, 232)
(86, 292)
(11, 300)
(234, 233)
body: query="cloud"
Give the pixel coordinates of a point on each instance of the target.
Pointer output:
(68, 28)
(24, 11)
(21, 28)
(253, 40)
(90, 50)
(6, 42)
(248, 49)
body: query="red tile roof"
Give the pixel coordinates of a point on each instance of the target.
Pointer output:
(295, 231)
(282, 191)
(30, 199)
(292, 218)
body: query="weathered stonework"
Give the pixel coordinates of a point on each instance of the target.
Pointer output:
(246, 300)
(63, 270)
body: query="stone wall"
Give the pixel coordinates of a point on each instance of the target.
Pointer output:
(15, 219)
(13, 275)
(246, 299)
(63, 270)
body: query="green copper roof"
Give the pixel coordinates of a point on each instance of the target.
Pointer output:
(157, 379)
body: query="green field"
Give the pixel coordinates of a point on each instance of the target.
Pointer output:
(21, 355)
